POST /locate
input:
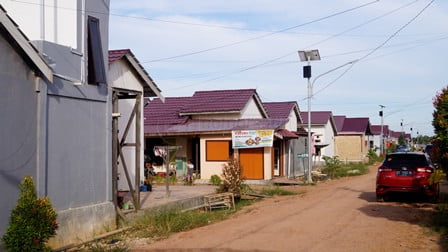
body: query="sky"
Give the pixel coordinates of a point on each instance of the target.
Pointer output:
(381, 52)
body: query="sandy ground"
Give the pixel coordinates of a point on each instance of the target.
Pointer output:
(337, 215)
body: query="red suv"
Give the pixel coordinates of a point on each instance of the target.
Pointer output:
(405, 172)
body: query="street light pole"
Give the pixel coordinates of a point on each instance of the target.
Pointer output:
(308, 56)
(381, 136)
(310, 154)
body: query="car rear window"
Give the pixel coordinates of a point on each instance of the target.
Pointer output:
(408, 160)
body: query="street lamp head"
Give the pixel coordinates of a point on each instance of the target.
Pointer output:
(309, 55)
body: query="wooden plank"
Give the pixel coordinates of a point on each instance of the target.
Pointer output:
(138, 117)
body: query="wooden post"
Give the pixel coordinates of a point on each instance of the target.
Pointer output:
(138, 118)
(115, 150)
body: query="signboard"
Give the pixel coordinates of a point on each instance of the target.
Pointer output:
(302, 155)
(242, 139)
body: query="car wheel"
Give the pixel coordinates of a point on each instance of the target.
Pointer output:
(379, 198)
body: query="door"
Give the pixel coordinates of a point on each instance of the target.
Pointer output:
(251, 161)
(276, 161)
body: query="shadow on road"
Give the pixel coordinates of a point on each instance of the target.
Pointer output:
(368, 196)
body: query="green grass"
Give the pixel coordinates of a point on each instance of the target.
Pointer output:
(161, 224)
(276, 191)
(439, 221)
(346, 170)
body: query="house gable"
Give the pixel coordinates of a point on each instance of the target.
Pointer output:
(125, 71)
(288, 111)
(225, 104)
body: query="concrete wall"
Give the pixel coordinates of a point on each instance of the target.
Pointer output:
(62, 136)
(120, 75)
(295, 166)
(291, 125)
(18, 127)
(208, 168)
(350, 148)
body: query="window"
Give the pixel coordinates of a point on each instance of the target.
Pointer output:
(96, 72)
(218, 150)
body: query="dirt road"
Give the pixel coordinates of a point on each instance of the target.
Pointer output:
(338, 215)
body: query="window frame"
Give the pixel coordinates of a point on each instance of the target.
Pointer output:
(96, 72)
(219, 158)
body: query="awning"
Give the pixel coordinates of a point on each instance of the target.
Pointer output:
(286, 133)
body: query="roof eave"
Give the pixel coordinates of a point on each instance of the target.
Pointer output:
(30, 52)
(144, 75)
(210, 113)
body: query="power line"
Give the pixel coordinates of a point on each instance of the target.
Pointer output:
(285, 55)
(262, 36)
(380, 45)
(364, 23)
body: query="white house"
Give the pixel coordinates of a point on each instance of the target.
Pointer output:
(324, 131)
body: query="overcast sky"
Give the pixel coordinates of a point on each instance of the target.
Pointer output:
(401, 45)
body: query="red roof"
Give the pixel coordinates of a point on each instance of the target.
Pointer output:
(220, 101)
(159, 113)
(359, 125)
(339, 121)
(376, 130)
(287, 134)
(279, 110)
(115, 55)
(317, 117)
(202, 126)
(397, 134)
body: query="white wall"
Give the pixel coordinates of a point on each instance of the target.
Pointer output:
(121, 76)
(211, 168)
(50, 20)
(291, 125)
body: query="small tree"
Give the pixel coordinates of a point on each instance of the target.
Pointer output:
(332, 164)
(232, 180)
(401, 139)
(440, 123)
(32, 222)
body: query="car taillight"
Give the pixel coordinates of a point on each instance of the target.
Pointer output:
(424, 169)
(384, 169)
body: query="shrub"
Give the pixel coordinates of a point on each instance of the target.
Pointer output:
(332, 164)
(232, 180)
(373, 157)
(276, 191)
(215, 180)
(32, 222)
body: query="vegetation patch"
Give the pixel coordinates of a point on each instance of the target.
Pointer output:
(277, 190)
(335, 168)
(161, 224)
(32, 222)
(439, 221)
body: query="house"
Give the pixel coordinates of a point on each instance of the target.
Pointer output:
(351, 143)
(57, 108)
(293, 166)
(213, 126)
(131, 84)
(394, 137)
(323, 128)
(375, 138)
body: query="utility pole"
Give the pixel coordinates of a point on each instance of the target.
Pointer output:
(381, 135)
